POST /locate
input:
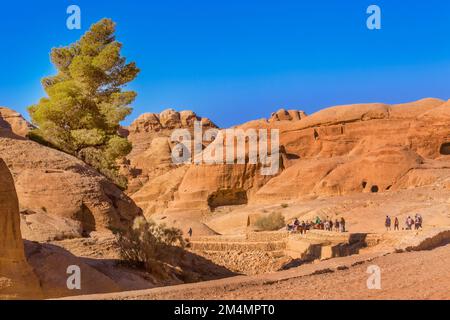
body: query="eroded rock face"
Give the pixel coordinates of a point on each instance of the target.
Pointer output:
(152, 149)
(363, 148)
(50, 182)
(17, 279)
(340, 150)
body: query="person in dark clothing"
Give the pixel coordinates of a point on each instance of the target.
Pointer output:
(190, 232)
(342, 224)
(387, 223)
(396, 224)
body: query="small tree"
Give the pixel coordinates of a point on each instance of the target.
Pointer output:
(150, 245)
(271, 222)
(85, 102)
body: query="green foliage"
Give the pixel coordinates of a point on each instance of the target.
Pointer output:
(271, 222)
(85, 101)
(150, 245)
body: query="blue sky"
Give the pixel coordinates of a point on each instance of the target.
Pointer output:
(238, 60)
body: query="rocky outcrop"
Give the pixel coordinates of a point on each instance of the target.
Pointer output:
(59, 195)
(51, 182)
(12, 124)
(363, 148)
(17, 279)
(150, 135)
(287, 115)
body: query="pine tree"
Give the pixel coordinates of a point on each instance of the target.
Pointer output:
(86, 101)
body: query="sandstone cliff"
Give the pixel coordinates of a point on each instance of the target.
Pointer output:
(17, 279)
(364, 148)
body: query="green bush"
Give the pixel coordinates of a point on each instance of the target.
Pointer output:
(271, 222)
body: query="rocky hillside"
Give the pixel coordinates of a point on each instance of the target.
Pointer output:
(59, 195)
(358, 161)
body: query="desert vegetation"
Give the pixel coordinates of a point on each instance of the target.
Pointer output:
(85, 101)
(271, 222)
(150, 246)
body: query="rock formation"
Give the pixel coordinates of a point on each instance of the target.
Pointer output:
(152, 149)
(50, 182)
(12, 123)
(363, 148)
(337, 151)
(17, 279)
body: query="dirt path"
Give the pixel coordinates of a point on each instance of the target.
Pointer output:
(412, 275)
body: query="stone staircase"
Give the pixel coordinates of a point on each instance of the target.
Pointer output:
(316, 244)
(255, 241)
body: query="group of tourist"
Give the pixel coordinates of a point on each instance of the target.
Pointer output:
(409, 223)
(296, 226)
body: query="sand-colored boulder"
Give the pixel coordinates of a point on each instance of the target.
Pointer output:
(50, 263)
(17, 279)
(287, 115)
(12, 124)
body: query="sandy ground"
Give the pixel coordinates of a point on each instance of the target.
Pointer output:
(410, 275)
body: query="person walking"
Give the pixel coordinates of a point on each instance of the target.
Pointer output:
(190, 232)
(327, 225)
(409, 223)
(387, 223)
(417, 222)
(318, 222)
(342, 224)
(396, 224)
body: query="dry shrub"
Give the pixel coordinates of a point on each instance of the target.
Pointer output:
(150, 245)
(271, 222)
